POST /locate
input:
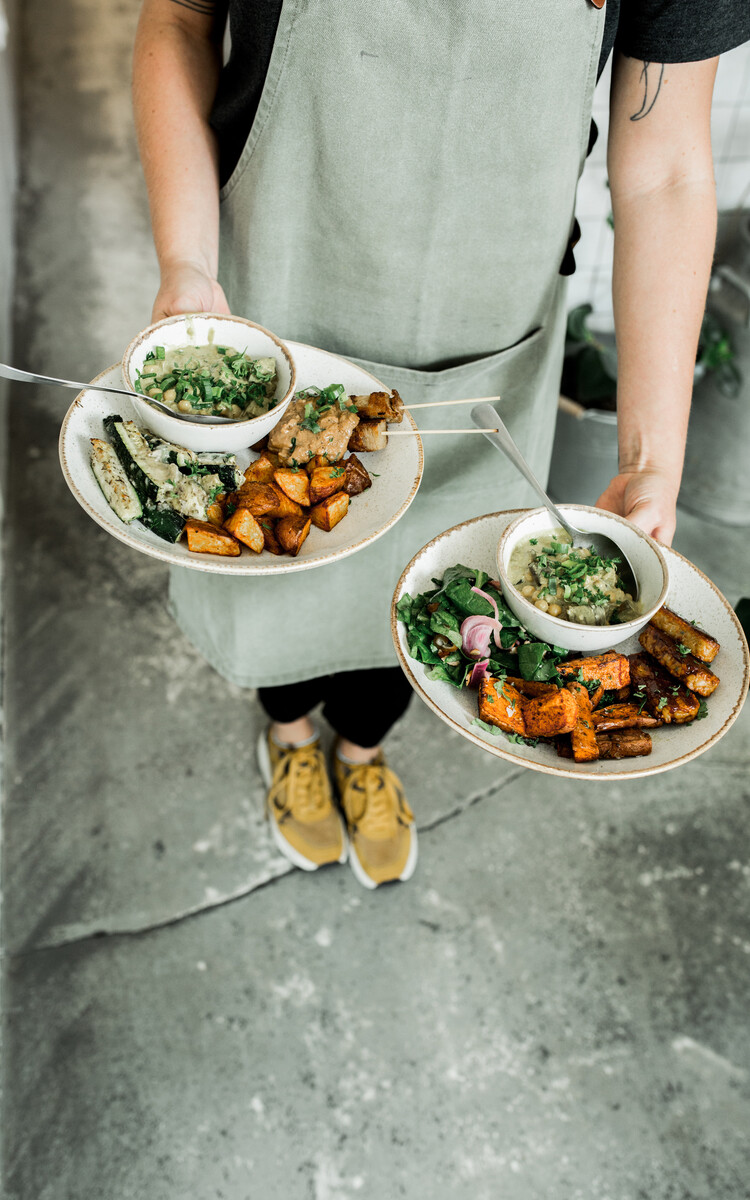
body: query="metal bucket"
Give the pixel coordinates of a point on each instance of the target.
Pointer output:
(716, 476)
(584, 453)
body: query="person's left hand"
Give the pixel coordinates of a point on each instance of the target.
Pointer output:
(648, 498)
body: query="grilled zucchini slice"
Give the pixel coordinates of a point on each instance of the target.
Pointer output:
(117, 489)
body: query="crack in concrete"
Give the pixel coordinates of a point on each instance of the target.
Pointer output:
(191, 913)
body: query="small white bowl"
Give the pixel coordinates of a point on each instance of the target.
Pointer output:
(647, 560)
(198, 329)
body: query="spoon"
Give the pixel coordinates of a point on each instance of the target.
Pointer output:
(194, 419)
(484, 415)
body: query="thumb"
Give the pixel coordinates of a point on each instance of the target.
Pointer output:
(652, 519)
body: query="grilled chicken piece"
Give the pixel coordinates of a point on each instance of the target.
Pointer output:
(624, 743)
(665, 698)
(294, 444)
(624, 716)
(700, 643)
(380, 406)
(685, 667)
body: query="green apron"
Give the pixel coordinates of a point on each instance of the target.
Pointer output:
(404, 199)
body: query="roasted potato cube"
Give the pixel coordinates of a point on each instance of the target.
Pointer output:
(295, 484)
(319, 460)
(700, 643)
(291, 533)
(685, 667)
(284, 507)
(243, 525)
(260, 498)
(549, 714)
(324, 481)
(582, 735)
(500, 704)
(357, 478)
(205, 538)
(270, 540)
(215, 513)
(330, 511)
(261, 471)
(369, 435)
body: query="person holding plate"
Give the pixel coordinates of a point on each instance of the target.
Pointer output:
(396, 183)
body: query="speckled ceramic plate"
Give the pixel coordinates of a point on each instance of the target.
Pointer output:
(397, 471)
(691, 594)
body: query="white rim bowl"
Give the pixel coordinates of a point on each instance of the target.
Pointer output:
(198, 329)
(643, 552)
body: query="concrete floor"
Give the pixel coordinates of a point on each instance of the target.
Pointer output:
(554, 1007)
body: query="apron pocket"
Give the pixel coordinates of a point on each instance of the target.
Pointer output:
(274, 73)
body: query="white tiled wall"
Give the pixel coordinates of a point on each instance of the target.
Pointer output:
(730, 128)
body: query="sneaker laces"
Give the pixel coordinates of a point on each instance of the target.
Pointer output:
(299, 787)
(373, 802)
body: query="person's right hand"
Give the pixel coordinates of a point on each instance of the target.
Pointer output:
(187, 288)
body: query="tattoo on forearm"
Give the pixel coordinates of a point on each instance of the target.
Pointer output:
(651, 89)
(204, 7)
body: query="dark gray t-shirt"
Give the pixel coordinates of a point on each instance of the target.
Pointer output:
(653, 30)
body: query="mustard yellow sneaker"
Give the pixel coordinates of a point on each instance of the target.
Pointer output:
(305, 824)
(380, 823)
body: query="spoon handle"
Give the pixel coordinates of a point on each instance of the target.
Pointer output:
(28, 377)
(485, 415)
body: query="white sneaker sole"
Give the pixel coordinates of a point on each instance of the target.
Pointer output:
(362, 877)
(282, 845)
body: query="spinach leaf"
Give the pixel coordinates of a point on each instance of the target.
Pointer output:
(530, 656)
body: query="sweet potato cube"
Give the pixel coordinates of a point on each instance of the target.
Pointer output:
(205, 538)
(243, 525)
(549, 714)
(330, 511)
(259, 498)
(500, 704)
(369, 435)
(295, 484)
(324, 481)
(583, 734)
(261, 471)
(291, 532)
(611, 670)
(357, 478)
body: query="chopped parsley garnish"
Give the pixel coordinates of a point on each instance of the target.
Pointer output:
(662, 703)
(683, 649)
(702, 710)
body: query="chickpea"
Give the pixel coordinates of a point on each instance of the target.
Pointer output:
(185, 406)
(152, 391)
(529, 577)
(560, 594)
(169, 396)
(554, 610)
(541, 605)
(527, 590)
(543, 580)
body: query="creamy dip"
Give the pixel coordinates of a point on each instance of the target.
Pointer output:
(211, 380)
(574, 585)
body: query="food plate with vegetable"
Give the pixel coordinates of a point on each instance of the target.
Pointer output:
(323, 510)
(647, 703)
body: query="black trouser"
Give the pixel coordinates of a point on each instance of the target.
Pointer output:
(360, 705)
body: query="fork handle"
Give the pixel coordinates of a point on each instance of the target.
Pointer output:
(28, 377)
(484, 415)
